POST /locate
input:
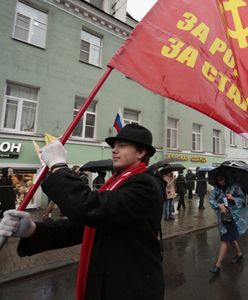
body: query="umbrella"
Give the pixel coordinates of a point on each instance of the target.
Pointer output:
(172, 167)
(206, 169)
(236, 171)
(98, 165)
(161, 163)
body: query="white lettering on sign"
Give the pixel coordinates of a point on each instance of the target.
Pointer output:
(15, 147)
(10, 147)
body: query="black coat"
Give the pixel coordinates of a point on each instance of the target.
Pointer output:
(7, 195)
(181, 184)
(190, 179)
(125, 262)
(201, 183)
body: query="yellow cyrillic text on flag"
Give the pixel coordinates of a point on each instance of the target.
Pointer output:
(188, 55)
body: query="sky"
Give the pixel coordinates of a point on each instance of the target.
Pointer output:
(138, 8)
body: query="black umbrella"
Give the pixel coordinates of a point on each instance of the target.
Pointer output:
(205, 169)
(98, 165)
(161, 163)
(172, 167)
(235, 171)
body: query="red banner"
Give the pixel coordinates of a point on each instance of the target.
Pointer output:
(195, 52)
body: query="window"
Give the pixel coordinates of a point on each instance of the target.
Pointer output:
(196, 137)
(30, 25)
(97, 3)
(131, 116)
(91, 48)
(172, 133)
(216, 141)
(19, 111)
(245, 143)
(87, 125)
(232, 138)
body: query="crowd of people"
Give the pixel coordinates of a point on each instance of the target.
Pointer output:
(178, 186)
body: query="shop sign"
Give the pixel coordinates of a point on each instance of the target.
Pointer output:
(200, 159)
(10, 150)
(179, 157)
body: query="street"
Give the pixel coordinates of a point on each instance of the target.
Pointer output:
(187, 261)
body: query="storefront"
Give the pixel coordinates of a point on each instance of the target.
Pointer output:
(21, 155)
(24, 174)
(192, 161)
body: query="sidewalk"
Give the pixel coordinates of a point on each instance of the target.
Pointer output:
(13, 267)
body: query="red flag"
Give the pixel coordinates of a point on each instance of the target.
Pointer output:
(195, 52)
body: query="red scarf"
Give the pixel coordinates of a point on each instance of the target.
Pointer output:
(89, 233)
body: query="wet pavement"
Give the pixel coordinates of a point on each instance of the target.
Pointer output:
(186, 263)
(188, 260)
(190, 248)
(13, 267)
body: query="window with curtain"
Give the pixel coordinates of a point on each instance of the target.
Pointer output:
(131, 116)
(216, 141)
(20, 108)
(245, 143)
(196, 137)
(91, 48)
(30, 25)
(172, 133)
(86, 127)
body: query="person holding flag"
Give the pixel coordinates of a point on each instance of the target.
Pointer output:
(119, 223)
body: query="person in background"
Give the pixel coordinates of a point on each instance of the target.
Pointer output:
(81, 174)
(84, 177)
(181, 186)
(7, 193)
(51, 205)
(169, 178)
(119, 224)
(99, 180)
(228, 197)
(76, 169)
(201, 187)
(190, 179)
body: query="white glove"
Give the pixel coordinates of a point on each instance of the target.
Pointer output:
(53, 153)
(16, 223)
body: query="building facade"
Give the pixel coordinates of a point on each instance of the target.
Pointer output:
(193, 138)
(236, 146)
(53, 52)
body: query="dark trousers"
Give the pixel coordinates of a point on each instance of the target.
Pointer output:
(201, 201)
(181, 202)
(190, 194)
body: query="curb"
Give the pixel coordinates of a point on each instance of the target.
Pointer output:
(184, 232)
(53, 266)
(35, 271)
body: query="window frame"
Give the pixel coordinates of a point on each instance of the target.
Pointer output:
(131, 121)
(20, 106)
(232, 139)
(91, 46)
(84, 119)
(244, 143)
(32, 20)
(171, 130)
(197, 135)
(216, 141)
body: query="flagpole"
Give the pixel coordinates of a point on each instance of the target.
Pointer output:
(63, 140)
